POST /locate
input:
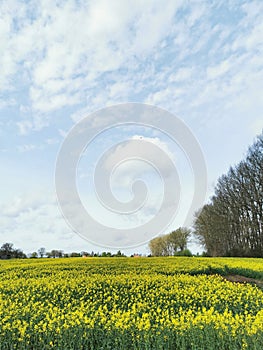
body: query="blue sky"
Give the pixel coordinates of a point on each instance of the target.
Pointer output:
(62, 60)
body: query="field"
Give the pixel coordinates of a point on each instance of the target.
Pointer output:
(130, 303)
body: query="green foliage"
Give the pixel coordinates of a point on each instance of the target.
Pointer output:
(7, 251)
(185, 252)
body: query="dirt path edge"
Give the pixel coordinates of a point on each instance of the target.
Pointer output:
(243, 279)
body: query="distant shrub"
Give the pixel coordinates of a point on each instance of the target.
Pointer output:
(185, 252)
(205, 255)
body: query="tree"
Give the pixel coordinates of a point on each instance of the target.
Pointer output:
(168, 244)
(18, 254)
(55, 253)
(119, 254)
(33, 255)
(106, 254)
(75, 255)
(42, 252)
(209, 230)
(7, 251)
(60, 253)
(84, 253)
(232, 223)
(179, 238)
(158, 246)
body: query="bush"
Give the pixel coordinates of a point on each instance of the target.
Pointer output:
(185, 252)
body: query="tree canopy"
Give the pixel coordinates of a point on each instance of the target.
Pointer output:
(232, 223)
(169, 244)
(7, 251)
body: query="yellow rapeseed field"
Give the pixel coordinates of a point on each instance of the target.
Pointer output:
(128, 303)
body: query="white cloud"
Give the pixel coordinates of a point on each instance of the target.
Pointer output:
(52, 141)
(219, 69)
(24, 126)
(197, 11)
(257, 126)
(26, 148)
(7, 102)
(62, 133)
(183, 74)
(31, 222)
(24, 203)
(169, 97)
(35, 123)
(66, 48)
(137, 167)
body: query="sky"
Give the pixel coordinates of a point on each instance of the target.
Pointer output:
(61, 61)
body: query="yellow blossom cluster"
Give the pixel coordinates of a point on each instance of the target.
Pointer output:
(126, 303)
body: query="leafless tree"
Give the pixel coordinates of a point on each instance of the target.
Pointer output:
(231, 224)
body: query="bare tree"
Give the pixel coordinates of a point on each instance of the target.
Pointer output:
(232, 223)
(42, 252)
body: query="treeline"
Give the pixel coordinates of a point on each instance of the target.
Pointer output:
(7, 251)
(232, 223)
(61, 254)
(174, 243)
